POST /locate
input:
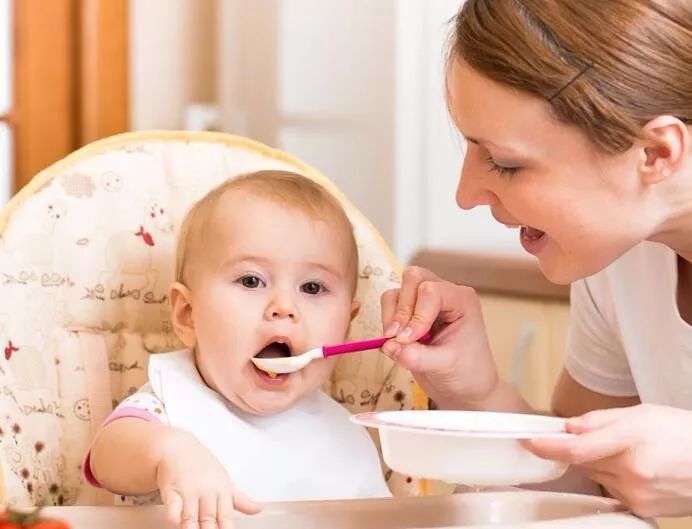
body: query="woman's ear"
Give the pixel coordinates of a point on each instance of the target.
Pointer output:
(181, 314)
(664, 151)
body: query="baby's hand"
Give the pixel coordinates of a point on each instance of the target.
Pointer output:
(194, 486)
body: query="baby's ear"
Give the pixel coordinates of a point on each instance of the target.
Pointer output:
(355, 309)
(181, 314)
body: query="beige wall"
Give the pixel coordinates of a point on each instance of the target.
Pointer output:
(316, 78)
(173, 59)
(310, 77)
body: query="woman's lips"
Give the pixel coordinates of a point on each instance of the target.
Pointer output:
(532, 240)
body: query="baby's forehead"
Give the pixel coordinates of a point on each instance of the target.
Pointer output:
(231, 223)
(238, 207)
(245, 216)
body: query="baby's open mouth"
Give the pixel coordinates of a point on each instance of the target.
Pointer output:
(274, 350)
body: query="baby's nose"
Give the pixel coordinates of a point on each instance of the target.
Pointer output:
(281, 307)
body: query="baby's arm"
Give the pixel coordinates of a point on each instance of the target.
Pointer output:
(135, 453)
(127, 452)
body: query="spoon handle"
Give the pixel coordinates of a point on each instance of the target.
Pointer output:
(363, 345)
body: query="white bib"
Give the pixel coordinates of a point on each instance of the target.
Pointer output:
(309, 452)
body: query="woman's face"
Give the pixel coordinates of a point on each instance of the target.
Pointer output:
(579, 209)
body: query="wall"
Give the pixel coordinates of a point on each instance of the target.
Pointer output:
(316, 79)
(172, 60)
(353, 87)
(429, 149)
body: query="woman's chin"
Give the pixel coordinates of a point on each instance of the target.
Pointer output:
(557, 271)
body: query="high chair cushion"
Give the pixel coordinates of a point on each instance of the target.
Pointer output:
(86, 258)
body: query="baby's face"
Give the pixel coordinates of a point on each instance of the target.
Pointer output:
(274, 282)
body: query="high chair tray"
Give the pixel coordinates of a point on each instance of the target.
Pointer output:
(518, 510)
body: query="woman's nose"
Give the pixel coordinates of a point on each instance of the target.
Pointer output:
(473, 189)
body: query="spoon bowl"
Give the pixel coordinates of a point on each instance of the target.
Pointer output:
(291, 364)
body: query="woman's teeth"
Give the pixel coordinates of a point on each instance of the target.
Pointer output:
(532, 233)
(528, 231)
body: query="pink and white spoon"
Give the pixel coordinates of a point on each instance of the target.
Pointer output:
(289, 364)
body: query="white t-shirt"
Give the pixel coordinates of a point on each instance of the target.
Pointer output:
(626, 335)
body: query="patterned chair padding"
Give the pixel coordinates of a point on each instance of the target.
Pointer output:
(86, 257)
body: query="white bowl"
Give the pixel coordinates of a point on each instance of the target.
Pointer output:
(465, 447)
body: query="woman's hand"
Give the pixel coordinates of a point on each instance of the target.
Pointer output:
(195, 488)
(642, 455)
(455, 368)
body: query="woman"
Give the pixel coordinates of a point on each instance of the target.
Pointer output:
(577, 115)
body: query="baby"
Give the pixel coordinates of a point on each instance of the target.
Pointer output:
(266, 266)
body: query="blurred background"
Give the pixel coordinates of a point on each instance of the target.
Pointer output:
(353, 87)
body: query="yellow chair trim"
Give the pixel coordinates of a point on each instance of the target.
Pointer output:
(44, 177)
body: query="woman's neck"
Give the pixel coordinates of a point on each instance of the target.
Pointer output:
(675, 230)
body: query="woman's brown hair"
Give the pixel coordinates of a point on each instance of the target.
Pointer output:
(606, 66)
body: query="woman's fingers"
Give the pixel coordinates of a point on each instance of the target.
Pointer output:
(404, 303)
(585, 448)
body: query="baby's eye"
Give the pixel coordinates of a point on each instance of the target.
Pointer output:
(251, 281)
(312, 287)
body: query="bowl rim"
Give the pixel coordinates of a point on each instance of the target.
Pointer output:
(378, 419)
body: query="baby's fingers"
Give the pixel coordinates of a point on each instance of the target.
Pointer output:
(208, 511)
(224, 511)
(174, 505)
(244, 504)
(227, 503)
(190, 515)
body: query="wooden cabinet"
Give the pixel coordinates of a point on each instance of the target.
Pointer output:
(675, 523)
(70, 78)
(527, 337)
(526, 316)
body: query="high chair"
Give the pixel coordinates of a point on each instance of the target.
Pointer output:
(86, 258)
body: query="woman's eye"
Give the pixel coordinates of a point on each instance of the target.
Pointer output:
(251, 281)
(312, 288)
(500, 169)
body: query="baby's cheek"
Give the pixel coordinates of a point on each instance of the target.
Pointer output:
(223, 372)
(319, 372)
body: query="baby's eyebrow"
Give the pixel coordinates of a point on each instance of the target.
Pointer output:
(248, 258)
(329, 269)
(245, 258)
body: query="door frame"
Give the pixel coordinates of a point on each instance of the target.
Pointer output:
(71, 78)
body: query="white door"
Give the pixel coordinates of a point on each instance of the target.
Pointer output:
(355, 88)
(429, 149)
(316, 79)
